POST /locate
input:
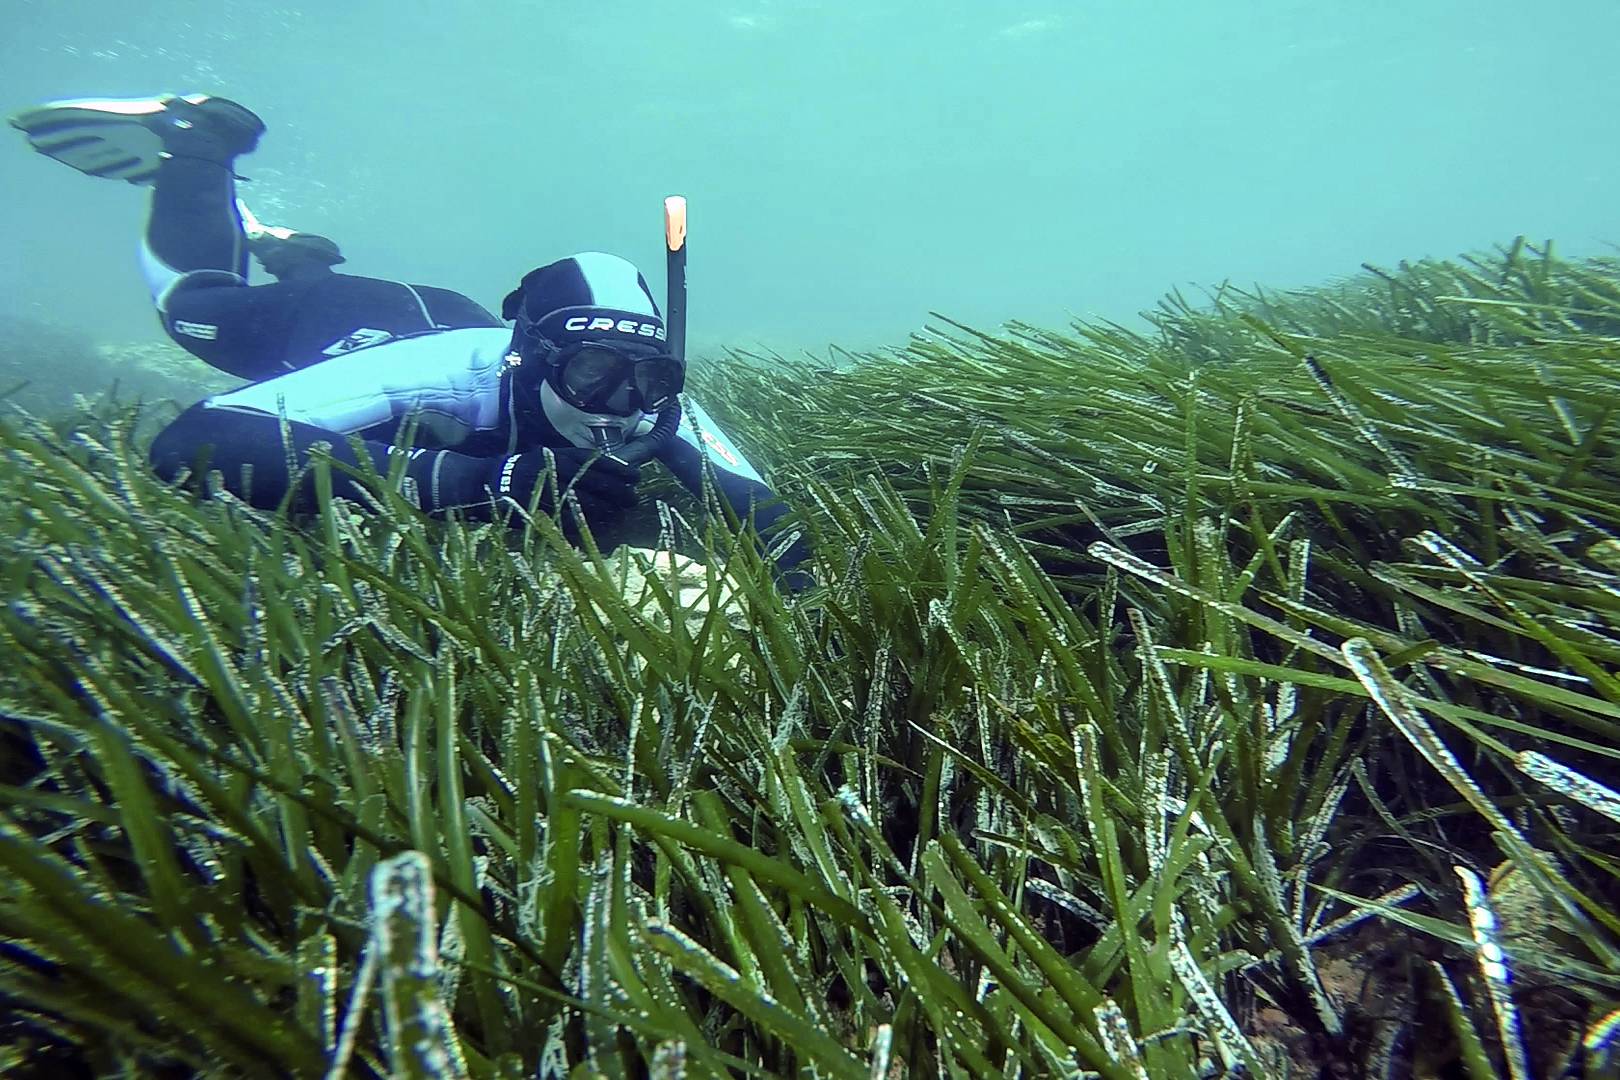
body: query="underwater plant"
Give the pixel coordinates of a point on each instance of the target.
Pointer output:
(1234, 694)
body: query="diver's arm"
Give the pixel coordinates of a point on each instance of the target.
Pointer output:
(448, 383)
(261, 461)
(698, 439)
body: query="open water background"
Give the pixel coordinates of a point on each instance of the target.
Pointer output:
(850, 165)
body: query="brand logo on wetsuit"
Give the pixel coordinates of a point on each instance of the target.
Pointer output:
(357, 340)
(205, 331)
(579, 324)
(719, 447)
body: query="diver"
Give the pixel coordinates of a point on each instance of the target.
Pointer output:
(584, 389)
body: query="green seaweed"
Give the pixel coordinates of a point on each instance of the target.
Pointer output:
(1152, 677)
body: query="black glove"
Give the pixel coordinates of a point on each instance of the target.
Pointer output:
(606, 487)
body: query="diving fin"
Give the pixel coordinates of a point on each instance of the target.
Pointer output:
(123, 138)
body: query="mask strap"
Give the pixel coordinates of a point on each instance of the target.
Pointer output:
(535, 345)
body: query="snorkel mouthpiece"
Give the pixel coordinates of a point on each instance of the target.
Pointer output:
(605, 436)
(639, 451)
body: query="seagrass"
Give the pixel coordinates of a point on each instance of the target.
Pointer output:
(1154, 678)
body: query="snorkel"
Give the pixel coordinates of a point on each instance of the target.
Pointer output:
(643, 448)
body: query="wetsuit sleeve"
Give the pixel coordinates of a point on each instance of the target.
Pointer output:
(252, 453)
(449, 382)
(700, 439)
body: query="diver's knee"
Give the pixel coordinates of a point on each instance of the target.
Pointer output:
(186, 305)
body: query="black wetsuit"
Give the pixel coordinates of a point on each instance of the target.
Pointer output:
(261, 330)
(197, 264)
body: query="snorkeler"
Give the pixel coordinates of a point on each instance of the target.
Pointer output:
(584, 389)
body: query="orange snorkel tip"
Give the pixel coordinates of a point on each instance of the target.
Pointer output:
(675, 222)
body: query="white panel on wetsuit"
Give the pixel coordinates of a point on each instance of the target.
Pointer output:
(713, 443)
(453, 378)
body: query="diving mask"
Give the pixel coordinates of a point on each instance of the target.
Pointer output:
(625, 380)
(607, 377)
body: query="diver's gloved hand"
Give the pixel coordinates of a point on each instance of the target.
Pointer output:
(605, 486)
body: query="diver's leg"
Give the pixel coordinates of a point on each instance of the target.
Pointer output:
(186, 149)
(239, 330)
(193, 228)
(194, 255)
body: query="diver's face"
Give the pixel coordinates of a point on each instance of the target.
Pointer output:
(618, 400)
(594, 429)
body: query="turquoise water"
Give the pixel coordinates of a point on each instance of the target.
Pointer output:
(850, 165)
